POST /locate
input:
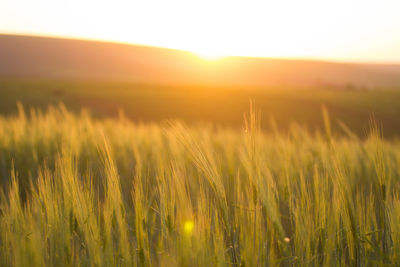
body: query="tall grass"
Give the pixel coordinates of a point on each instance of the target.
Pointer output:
(83, 192)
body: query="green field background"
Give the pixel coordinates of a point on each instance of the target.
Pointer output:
(350, 106)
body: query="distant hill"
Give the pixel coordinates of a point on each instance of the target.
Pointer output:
(54, 58)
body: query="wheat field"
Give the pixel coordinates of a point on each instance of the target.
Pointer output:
(79, 191)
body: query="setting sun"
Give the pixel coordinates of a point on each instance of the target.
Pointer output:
(209, 55)
(338, 30)
(199, 133)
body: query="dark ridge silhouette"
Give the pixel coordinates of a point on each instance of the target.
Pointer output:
(55, 58)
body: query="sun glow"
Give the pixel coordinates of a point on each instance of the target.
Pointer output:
(357, 30)
(209, 55)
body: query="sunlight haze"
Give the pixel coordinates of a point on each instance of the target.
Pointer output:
(367, 31)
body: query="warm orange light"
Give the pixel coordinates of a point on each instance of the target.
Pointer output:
(356, 30)
(209, 55)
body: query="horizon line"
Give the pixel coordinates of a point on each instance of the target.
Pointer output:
(110, 41)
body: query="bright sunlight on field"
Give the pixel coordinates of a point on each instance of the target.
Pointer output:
(127, 138)
(80, 191)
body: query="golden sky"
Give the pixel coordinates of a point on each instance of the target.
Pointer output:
(340, 30)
